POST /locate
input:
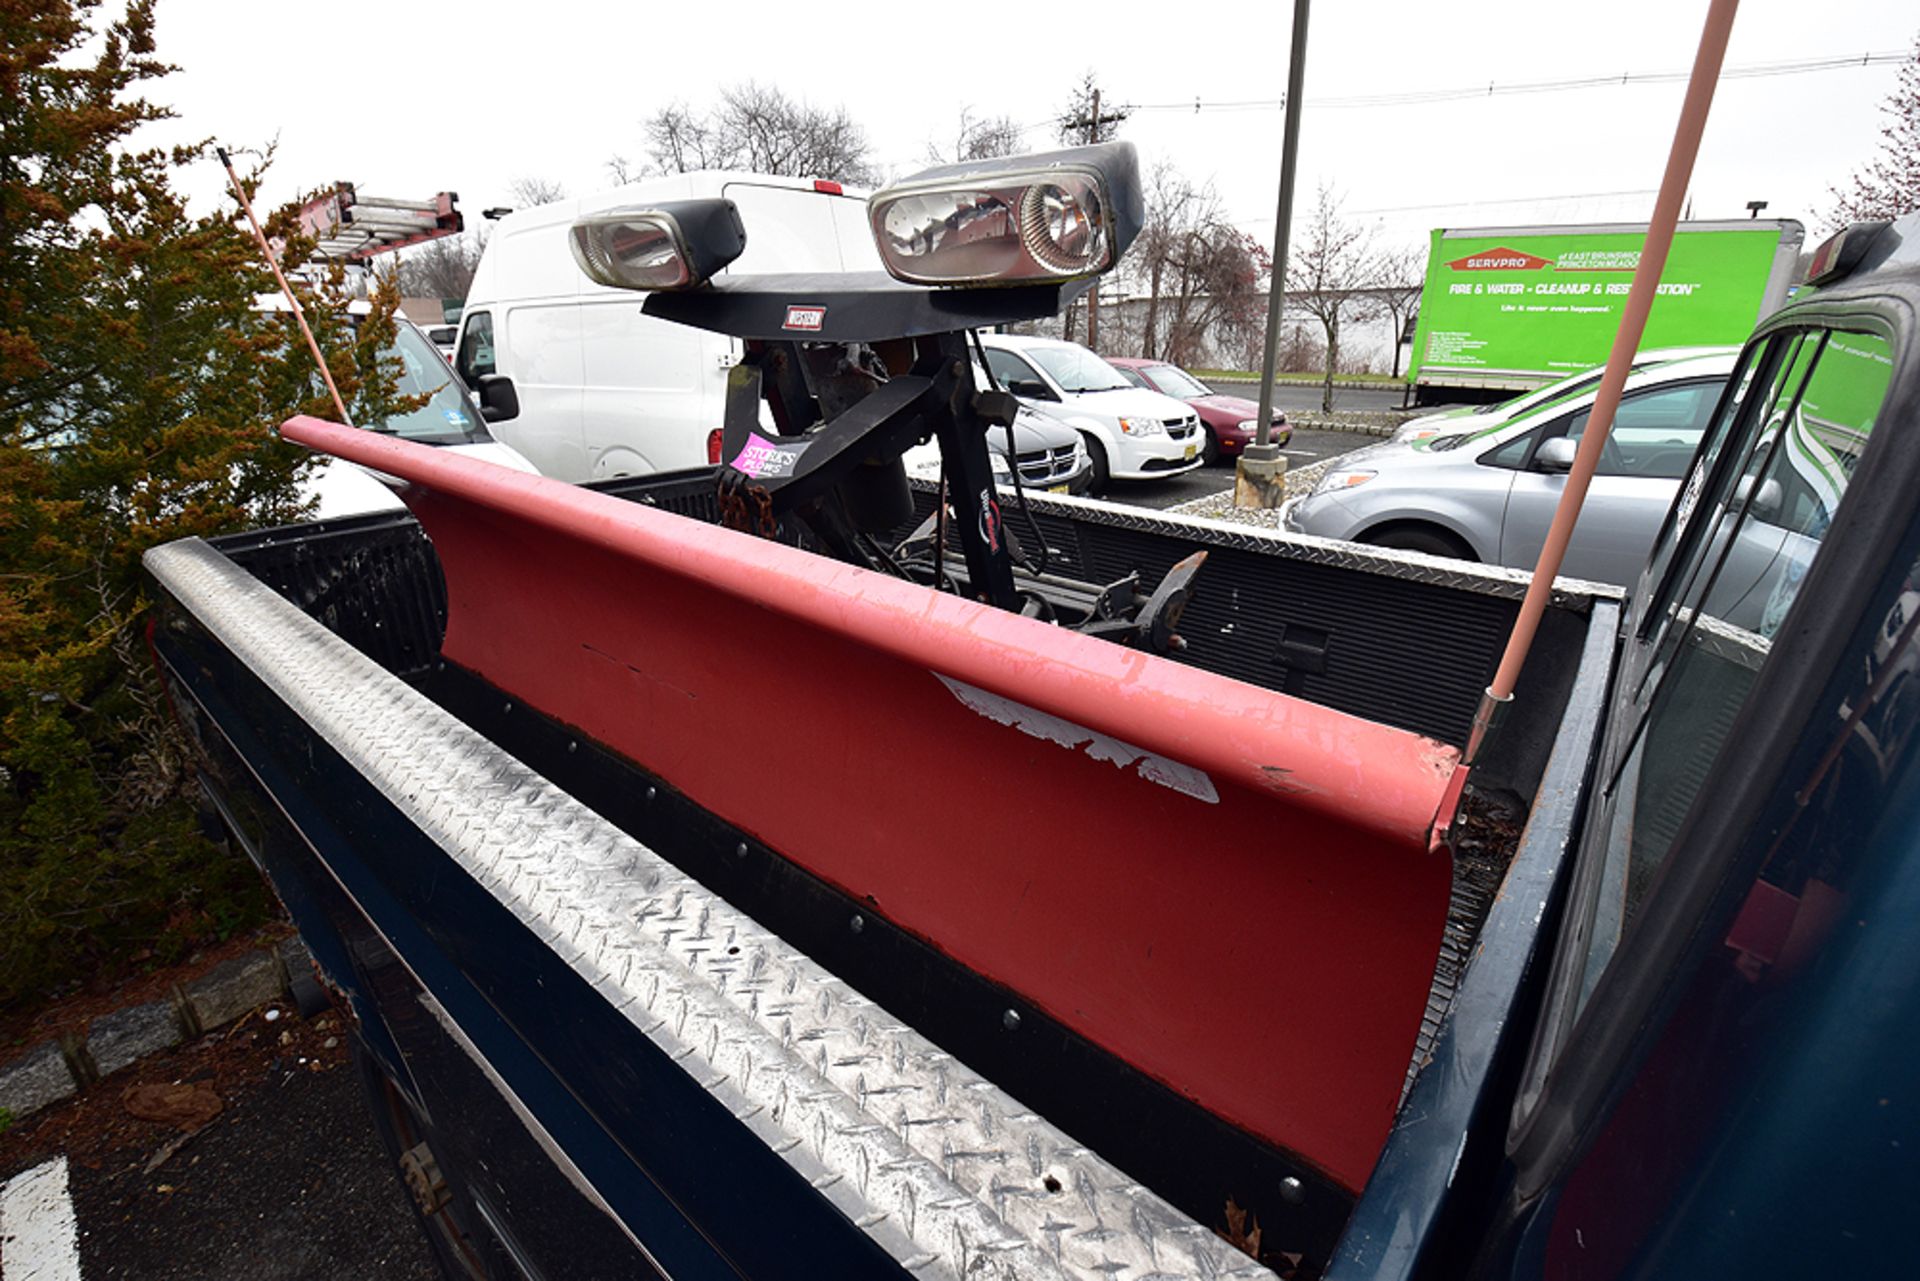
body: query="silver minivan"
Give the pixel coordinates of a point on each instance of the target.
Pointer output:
(1489, 495)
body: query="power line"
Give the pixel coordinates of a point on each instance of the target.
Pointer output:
(1803, 66)
(1510, 200)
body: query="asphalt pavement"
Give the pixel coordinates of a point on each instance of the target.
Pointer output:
(1305, 447)
(288, 1181)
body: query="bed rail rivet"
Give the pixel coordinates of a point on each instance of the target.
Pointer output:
(1292, 1191)
(1010, 1020)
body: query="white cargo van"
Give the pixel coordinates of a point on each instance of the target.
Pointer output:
(602, 390)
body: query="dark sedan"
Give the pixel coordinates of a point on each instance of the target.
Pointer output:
(1230, 421)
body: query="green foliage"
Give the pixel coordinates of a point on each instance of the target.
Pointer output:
(138, 392)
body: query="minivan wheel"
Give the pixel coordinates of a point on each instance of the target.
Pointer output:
(1210, 452)
(1421, 538)
(1098, 453)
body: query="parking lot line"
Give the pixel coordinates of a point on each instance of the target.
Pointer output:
(38, 1238)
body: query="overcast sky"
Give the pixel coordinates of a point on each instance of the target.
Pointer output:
(410, 99)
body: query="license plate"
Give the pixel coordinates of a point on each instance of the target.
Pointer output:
(1191, 451)
(1056, 489)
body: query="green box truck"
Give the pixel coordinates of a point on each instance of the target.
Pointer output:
(1508, 309)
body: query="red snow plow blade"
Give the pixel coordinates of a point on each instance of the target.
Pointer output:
(1230, 889)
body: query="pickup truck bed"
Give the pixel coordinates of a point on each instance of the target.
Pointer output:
(598, 989)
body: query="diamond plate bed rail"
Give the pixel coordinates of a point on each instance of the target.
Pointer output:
(942, 1169)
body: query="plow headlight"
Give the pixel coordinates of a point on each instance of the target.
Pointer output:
(677, 244)
(1013, 220)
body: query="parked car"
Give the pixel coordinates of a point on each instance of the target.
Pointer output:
(1131, 433)
(1490, 495)
(339, 488)
(1048, 454)
(1231, 422)
(446, 338)
(1469, 418)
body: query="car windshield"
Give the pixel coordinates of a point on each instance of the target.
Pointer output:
(1076, 369)
(447, 417)
(1566, 388)
(1175, 381)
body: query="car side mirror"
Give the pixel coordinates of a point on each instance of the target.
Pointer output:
(1762, 503)
(1555, 455)
(498, 400)
(1031, 388)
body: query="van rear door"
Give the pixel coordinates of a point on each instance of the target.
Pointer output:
(801, 229)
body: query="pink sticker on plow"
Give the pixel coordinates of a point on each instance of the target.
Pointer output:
(762, 458)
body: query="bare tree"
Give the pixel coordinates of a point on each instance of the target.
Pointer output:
(530, 193)
(442, 268)
(759, 128)
(1327, 274)
(623, 171)
(1889, 186)
(1201, 273)
(979, 138)
(680, 141)
(1167, 195)
(1398, 277)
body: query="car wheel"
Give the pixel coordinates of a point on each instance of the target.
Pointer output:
(1101, 475)
(1210, 452)
(443, 1213)
(1421, 538)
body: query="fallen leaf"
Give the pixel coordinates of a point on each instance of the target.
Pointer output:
(1238, 1234)
(187, 1106)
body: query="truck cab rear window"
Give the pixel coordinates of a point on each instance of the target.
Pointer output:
(1734, 579)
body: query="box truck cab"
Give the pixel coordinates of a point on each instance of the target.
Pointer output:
(602, 390)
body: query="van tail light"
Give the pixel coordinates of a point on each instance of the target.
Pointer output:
(831, 188)
(713, 445)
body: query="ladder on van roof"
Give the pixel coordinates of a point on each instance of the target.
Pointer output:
(353, 228)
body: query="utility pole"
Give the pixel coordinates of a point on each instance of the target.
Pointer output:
(1093, 294)
(1260, 479)
(1093, 125)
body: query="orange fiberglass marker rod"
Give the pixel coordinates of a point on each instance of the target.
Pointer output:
(299, 316)
(1633, 323)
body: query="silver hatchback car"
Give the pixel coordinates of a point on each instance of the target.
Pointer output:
(1489, 495)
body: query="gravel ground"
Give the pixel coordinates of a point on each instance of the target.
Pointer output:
(1300, 480)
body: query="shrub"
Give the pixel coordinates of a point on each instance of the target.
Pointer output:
(138, 391)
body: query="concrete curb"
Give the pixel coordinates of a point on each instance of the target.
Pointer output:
(60, 1067)
(1318, 422)
(1339, 384)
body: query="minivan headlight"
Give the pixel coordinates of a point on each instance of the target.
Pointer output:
(1060, 215)
(1142, 426)
(677, 244)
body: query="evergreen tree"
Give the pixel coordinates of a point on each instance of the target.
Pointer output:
(138, 392)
